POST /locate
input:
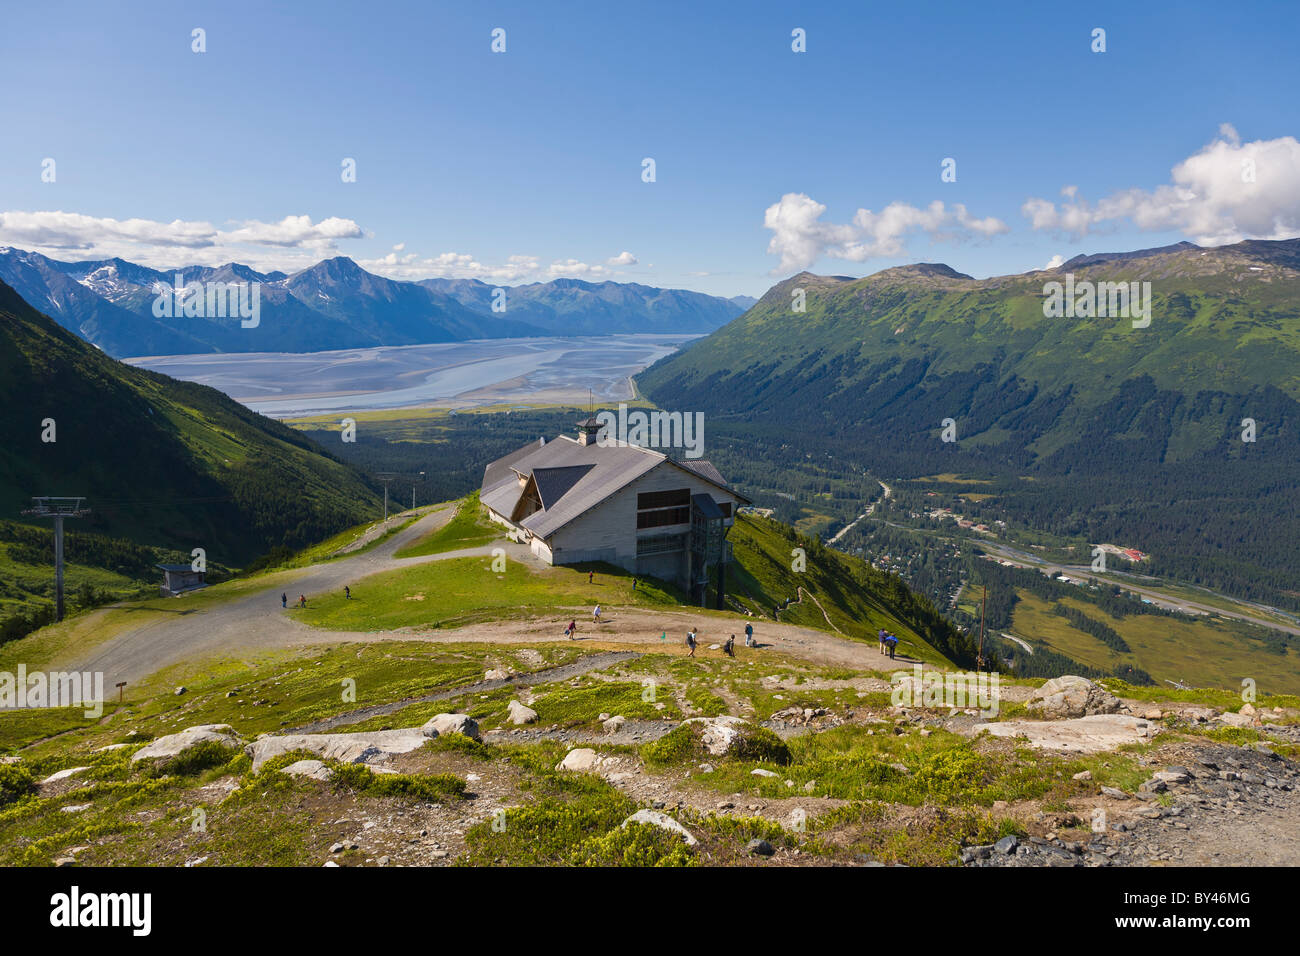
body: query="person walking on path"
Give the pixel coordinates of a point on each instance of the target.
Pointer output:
(749, 636)
(595, 615)
(571, 632)
(892, 641)
(284, 600)
(880, 638)
(347, 592)
(690, 642)
(302, 600)
(729, 648)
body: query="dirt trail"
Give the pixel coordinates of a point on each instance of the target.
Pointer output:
(636, 628)
(250, 622)
(256, 621)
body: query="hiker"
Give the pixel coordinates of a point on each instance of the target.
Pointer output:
(881, 640)
(347, 592)
(749, 636)
(595, 615)
(690, 642)
(729, 648)
(572, 630)
(634, 585)
(892, 641)
(302, 600)
(284, 600)
(590, 575)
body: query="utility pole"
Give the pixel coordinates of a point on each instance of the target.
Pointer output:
(385, 477)
(413, 491)
(58, 509)
(984, 603)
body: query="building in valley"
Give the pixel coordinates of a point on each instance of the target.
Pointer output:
(583, 499)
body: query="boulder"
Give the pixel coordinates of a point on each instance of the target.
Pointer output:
(451, 724)
(520, 715)
(315, 769)
(497, 673)
(1236, 720)
(760, 772)
(361, 747)
(173, 744)
(662, 820)
(582, 760)
(759, 848)
(614, 724)
(1062, 698)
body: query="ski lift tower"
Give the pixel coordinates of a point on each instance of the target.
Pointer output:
(58, 509)
(385, 478)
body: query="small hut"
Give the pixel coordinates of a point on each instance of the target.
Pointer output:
(179, 578)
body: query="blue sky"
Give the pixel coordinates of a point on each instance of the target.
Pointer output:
(527, 164)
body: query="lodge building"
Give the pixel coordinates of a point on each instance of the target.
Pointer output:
(577, 500)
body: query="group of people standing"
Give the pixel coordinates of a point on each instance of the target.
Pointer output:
(728, 648)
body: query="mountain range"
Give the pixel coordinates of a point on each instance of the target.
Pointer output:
(162, 462)
(1097, 426)
(336, 304)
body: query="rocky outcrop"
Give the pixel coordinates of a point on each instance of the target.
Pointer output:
(345, 748)
(172, 745)
(1062, 698)
(315, 769)
(1089, 734)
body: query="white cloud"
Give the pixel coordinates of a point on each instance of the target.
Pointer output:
(1210, 198)
(622, 259)
(450, 265)
(574, 269)
(1053, 262)
(800, 237)
(293, 242)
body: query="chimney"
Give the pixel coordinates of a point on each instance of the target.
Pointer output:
(587, 431)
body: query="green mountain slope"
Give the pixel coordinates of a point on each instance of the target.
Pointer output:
(161, 462)
(834, 592)
(1127, 432)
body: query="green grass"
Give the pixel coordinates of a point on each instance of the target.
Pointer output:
(1204, 652)
(468, 528)
(460, 591)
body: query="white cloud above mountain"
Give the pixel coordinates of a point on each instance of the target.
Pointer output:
(292, 241)
(1226, 192)
(800, 236)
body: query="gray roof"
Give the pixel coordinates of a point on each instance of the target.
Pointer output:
(704, 469)
(501, 468)
(554, 483)
(573, 478)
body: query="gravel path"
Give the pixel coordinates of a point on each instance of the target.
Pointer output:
(254, 621)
